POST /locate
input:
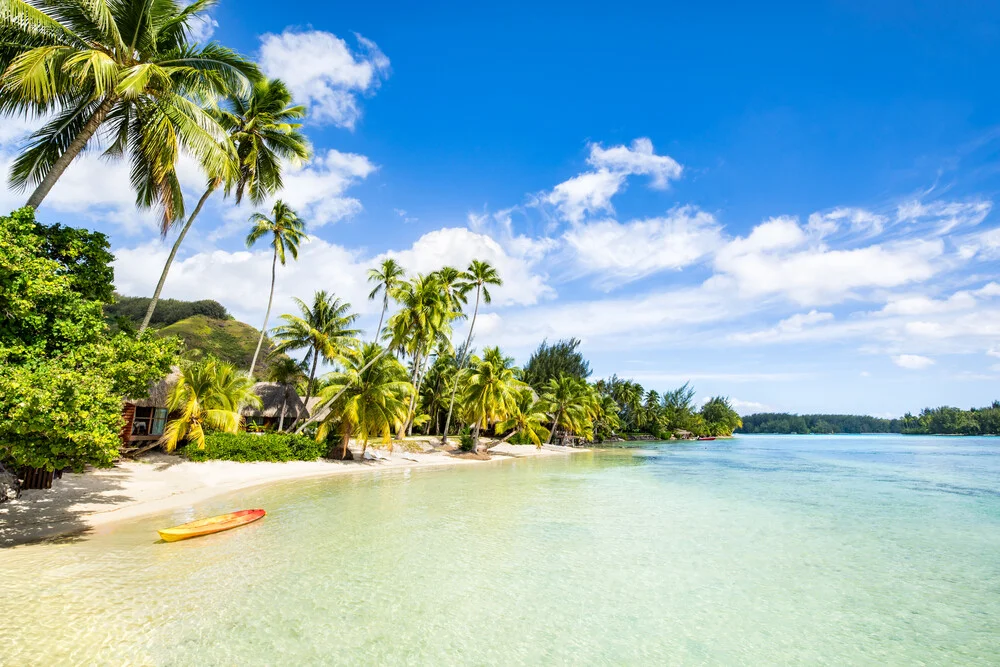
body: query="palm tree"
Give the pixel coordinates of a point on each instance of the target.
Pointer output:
(422, 320)
(287, 231)
(260, 129)
(478, 275)
(386, 278)
(528, 419)
(208, 394)
(324, 329)
(570, 401)
(126, 68)
(491, 391)
(368, 398)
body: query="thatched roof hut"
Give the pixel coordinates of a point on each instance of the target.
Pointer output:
(158, 391)
(274, 398)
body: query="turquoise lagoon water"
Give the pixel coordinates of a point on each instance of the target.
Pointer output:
(759, 550)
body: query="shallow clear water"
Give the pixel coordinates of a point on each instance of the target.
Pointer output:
(760, 550)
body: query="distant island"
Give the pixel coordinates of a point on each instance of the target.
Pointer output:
(944, 420)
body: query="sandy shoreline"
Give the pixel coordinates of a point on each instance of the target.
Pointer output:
(78, 503)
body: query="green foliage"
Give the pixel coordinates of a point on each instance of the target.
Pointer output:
(250, 447)
(168, 311)
(62, 377)
(719, 416)
(769, 422)
(549, 362)
(84, 256)
(465, 440)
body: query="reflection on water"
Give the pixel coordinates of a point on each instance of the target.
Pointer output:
(759, 550)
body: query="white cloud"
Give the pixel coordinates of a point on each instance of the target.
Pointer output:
(944, 216)
(627, 251)
(404, 215)
(913, 362)
(859, 220)
(639, 159)
(203, 28)
(784, 329)
(321, 70)
(777, 259)
(749, 407)
(591, 192)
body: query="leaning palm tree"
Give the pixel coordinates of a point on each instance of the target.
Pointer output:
(367, 399)
(324, 329)
(286, 231)
(126, 68)
(527, 419)
(386, 278)
(208, 394)
(478, 275)
(261, 129)
(491, 391)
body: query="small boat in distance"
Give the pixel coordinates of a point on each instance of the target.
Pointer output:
(706, 437)
(215, 524)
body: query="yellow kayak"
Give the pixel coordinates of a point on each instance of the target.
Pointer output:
(215, 524)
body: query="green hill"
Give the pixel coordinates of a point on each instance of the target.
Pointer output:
(228, 340)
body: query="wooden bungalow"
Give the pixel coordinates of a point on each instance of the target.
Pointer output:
(280, 407)
(146, 418)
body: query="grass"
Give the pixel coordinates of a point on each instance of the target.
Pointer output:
(228, 340)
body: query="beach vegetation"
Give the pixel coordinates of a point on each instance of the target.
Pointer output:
(553, 360)
(253, 447)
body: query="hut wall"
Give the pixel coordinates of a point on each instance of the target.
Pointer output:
(128, 414)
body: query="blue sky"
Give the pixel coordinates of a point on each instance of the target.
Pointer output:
(790, 204)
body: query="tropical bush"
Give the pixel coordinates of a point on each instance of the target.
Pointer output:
(62, 375)
(465, 440)
(168, 311)
(250, 447)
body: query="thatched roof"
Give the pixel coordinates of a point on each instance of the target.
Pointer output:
(158, 391)
(311, 403)
(272, 396)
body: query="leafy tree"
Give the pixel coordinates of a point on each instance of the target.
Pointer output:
(324, 329)
(386, 278)
(62, 377)
(126, 68)
(168, 311)
(208, 394)
(369, 398)
(719, 416)
(260, 130)
(550, 362)
(286, 231)
(569, 400)
(480, 275)
(491, 391)
(84, 256)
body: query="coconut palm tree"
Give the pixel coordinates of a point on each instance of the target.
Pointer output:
(286, 232)
(479, 275)
(421, 322)
(491, 391)
(261, 129)
(570, 402)
(528, 419)
(126, 68)
(324, 329)
(368, 398)
(386, 278)
(208, 394)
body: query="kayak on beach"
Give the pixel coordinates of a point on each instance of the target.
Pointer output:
(211, 525)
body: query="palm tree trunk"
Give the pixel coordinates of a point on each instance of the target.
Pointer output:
(267, 313)
(319, 408)
(475, 438)
(312, 375)
(171, 256)
(465, 354)
(281, 417)
(385, 306)
(555, 425)
(413, 396)
(416, 392)
(74, 148)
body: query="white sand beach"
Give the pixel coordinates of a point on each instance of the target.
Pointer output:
(78, 503)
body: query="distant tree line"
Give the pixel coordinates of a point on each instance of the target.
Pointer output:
(126, 310)
(930, 421)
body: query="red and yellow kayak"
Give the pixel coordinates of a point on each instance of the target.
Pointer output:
(215, 524)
